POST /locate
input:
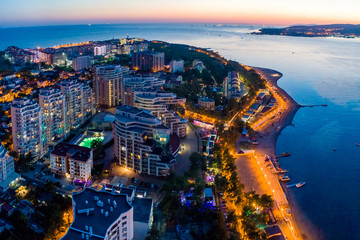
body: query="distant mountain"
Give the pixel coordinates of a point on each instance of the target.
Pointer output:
(333, 30)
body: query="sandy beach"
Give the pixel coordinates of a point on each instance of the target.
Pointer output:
(255, 173)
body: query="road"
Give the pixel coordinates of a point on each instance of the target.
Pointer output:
(188, 145)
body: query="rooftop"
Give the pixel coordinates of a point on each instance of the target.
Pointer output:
(92, 202)
(76, 152)
(142, 209)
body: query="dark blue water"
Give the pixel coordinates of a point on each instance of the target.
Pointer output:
(316, 71)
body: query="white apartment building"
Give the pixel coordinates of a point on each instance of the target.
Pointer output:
(101, 215)
(100, 50)
(79, 102)
(207, 103)
(139, 81)
(140, 140)
(7, 169)
(161, 104)
(26, 119)
(233, 86)
(72, 161)
(107, 85)
(82, 62)
(52, 103)
(176, 66)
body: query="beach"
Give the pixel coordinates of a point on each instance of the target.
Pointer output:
(255, 173)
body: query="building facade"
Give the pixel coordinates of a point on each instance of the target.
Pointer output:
(52, 103)
(7, 169)
(26, 119)
(140, 141)
(107, 85)
(162, 104)
(176, 66)
(206, 103)
(139, 81)
(82, 62)
(79, 102)
(72, 161)
(148, 61)
(101, 215)
(100, 50)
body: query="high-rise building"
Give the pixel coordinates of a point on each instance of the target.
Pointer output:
(148, 61)
(100, 50)
(162, 104)
(140, 141)
(7, 169)
(107, 85)
(140, 81)
(26, 119)
(82, 62)
(52, 103)
(101, 215)
(176, 65)
(79, 101)
(72, 161)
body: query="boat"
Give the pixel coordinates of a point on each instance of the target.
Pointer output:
(324, 105)
(283, 171)
(285, 179)
(300, 184)
(286, 154)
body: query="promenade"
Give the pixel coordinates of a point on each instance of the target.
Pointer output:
(261, 173)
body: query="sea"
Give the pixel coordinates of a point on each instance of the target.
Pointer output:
(322, 140)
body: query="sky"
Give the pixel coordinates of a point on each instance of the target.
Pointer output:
(18, 13)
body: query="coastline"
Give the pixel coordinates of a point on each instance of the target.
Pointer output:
(267, 146)
(304, 226)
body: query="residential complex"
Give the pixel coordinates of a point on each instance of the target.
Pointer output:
(72, 161)
(100, 50)
(162, 104)
(176, 66)
(7, 169)
(101, 215)
(27, 131)
(79, 101)
(140, 141)
(106, 83)
(148, 61)
(82, 62)
(52, 103)
(140, 81)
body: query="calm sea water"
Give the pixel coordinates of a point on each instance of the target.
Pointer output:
(316, 71)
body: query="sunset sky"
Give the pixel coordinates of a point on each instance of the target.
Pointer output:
(277, 12)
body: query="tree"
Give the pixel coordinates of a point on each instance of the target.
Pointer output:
(98, 147)
(153, 234)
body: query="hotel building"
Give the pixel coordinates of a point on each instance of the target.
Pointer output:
(72, 161)
(148, 61)
(26, 119)
(233, 86)
(140, 140)
(140, 81)
(101, 215)
(106, 82)
(162, 104)
(79, 102)
(7, 169)
(52, 103)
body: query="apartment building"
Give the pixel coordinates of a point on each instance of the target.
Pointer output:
(140, 141)
(8, 175)
(81, 62)
(176, 65)
(72, 161)
(148, 61)
(139, 81)
(52, 103)
(107, 85)
(79, 102)
(101, 215)
(162, 104)
(27, 131)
